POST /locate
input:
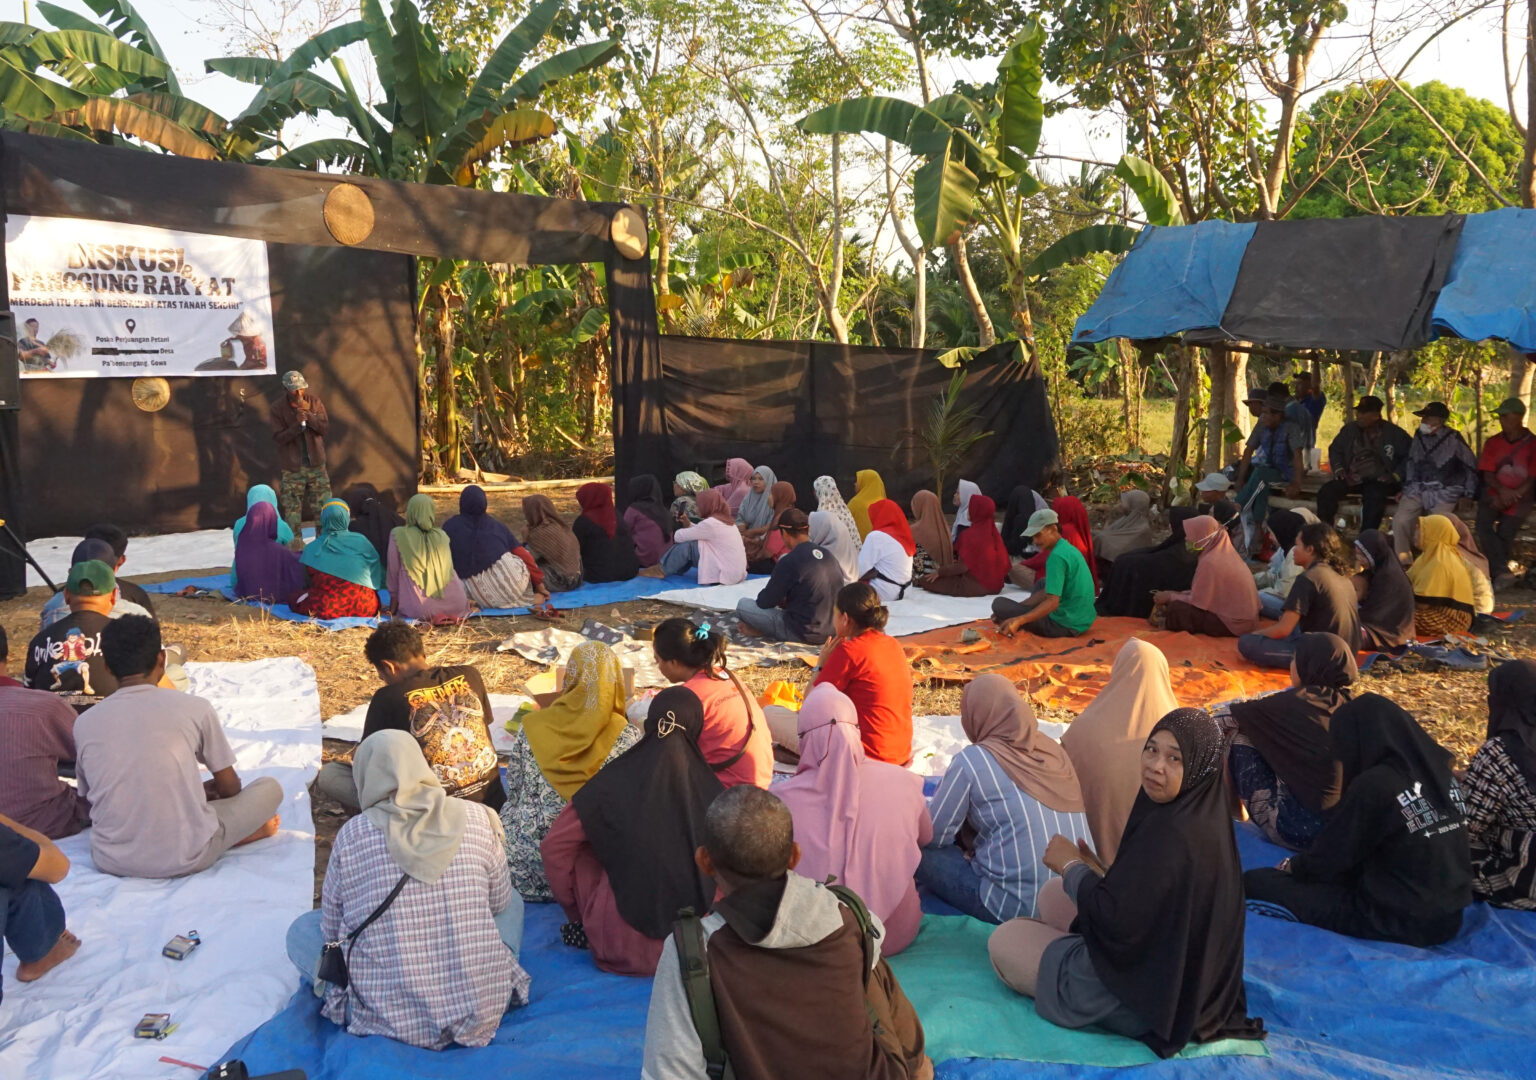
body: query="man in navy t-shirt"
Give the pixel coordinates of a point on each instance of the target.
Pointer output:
(796, 604)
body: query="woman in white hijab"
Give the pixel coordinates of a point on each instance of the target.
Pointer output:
(830, 534)
(438, 868)
(830, 501)
(963, 492)
(1128, 532)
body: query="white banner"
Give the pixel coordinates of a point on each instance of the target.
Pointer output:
(98, 298)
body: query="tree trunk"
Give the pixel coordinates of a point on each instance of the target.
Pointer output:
(1347, 366)
(919, 300)
(1528, 156)
(1396, 360)
(1237, 412)
(1520, 370)
(1217, 366)
(490, 404)
(447, 397)
(1018, 295)
(1477, 402)
(1184, 374)
(968, 287)
(425, 462)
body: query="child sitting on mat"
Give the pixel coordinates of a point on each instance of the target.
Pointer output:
(784, 954)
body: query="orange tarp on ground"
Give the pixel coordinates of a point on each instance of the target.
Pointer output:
(1068, 672)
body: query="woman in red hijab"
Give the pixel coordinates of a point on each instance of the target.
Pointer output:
(980, 565)
(607, 546)
(1075, 528)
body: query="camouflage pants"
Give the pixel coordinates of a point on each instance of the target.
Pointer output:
(308, 486)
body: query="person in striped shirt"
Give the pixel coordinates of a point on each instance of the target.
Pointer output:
(1003, 798)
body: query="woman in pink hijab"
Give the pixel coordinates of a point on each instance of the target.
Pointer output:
(738, 481)
(1222, 601)
(861, 820)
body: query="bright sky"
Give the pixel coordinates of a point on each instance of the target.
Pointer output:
(1466, 56)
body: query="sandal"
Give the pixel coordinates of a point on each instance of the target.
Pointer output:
(545, 611)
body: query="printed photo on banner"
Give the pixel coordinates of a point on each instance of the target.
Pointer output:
(99, 298)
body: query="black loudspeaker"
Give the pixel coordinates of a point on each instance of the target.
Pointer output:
(10, 367)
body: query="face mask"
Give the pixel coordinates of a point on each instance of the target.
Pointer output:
(1426, 429)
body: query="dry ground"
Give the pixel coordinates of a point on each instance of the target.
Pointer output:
(1451, 705)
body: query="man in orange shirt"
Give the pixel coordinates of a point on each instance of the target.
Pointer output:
(1508, 465)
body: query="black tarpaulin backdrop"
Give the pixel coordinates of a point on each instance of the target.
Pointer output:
(1357, 283)
(812, 408)
(343, 317)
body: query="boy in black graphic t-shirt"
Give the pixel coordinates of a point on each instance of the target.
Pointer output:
(444, 708)
(66, 657)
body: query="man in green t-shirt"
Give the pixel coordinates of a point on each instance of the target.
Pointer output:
(1064, 608)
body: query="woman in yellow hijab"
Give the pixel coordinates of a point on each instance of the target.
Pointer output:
(558, 749)
(870, 490)
(1442, 584)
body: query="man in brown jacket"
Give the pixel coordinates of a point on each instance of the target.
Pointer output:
(299, 424)
(783, 954)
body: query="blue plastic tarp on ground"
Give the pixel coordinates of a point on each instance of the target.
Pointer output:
(1490, 291)
(1336, 1008)
(591, 595)
(1172, 280)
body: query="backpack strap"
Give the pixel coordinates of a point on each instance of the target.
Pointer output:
(693, 964)
(871, 937)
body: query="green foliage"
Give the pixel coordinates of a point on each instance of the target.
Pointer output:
(948, 432)
(1403, 165)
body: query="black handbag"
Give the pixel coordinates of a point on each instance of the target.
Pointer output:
(333, 962)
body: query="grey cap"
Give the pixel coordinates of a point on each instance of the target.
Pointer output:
(295, 380)
(1039, 520)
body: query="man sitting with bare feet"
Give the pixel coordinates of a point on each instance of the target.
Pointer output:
(31, 916)
(139, 752)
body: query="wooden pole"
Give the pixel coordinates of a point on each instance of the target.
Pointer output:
(1178, 448)
(1347, 361)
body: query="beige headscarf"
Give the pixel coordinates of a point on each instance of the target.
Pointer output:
(549, 536)
(930, 529)
(1105, 741)
(1129, 531)
(995, 717)
(402, 798)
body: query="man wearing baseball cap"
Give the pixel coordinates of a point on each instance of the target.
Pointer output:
(1272, 457)
(1441, 471)
(1508, 464)
(796, 603)
(1367, 458)
(66, 657)
(299, 425)
(1064, 607)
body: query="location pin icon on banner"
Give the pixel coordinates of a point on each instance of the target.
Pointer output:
(130, 324)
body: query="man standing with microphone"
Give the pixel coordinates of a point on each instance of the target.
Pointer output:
(299, 425)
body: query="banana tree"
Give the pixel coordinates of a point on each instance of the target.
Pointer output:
(439, 119)
(78, 81)
(1159, 206)
(976, 155)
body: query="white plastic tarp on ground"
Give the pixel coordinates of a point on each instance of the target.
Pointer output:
(202, 550)
(77, 1021)
(919, 611)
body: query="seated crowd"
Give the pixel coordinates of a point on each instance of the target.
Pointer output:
(1106, 859)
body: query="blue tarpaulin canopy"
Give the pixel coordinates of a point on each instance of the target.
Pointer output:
(1173, 279)
(1353, 283)
(1491, 289)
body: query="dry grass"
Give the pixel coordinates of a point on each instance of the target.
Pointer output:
(1451, 705)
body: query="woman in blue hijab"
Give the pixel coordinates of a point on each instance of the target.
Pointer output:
(343, 569)
(497, 571)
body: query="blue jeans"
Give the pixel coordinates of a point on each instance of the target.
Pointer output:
(769, 622)
(1268, 651)
(949, 875)
(679, 557)
(31, 920)
(305, 939)
(1270, 605)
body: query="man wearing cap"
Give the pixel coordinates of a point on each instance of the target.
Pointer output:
(65, 659)
(1306, 407)
(796, 603)
(299, 425)
(1508, 464)
(1367, 457)
(1442, 470)
(1273, 456)
(1064, 608)
(88, 550)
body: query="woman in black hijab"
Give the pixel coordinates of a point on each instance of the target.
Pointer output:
(1156, 948)
(1282, 755)
(1501, 792)
(620, 856)
(371, 518)
(1392, 863)
(1386, 605)
(1136, 575)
